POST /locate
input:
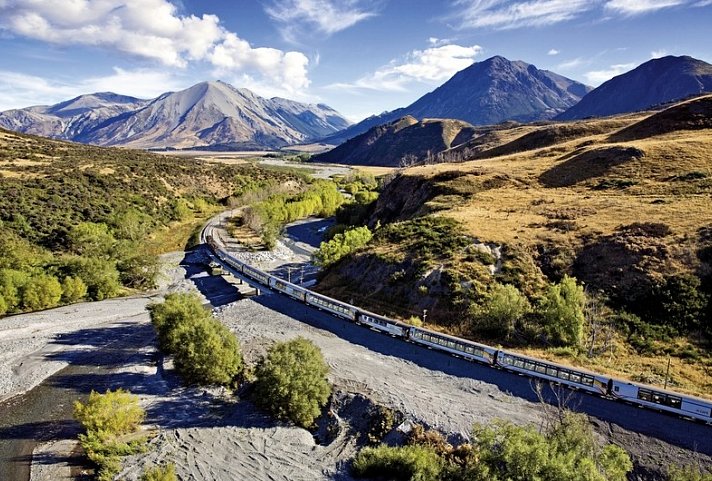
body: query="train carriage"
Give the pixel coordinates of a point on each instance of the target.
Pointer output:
(453, 345)
(341, 309)
(383, 324)
(649, 396)
(585, 380)
(258, 275)
(288, 288)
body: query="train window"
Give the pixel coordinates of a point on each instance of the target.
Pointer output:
(551, 371)
(564, 375)
(575, 377)
(519, 363)
(674, 402)
(588, 380)
(645, 395)
(540, 368)
(469, 350)
(529, 365)
(658, 398)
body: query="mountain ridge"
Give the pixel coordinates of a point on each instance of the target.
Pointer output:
(655, 82)
(207, 114)
(487, 92)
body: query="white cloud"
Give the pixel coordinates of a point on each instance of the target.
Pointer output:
(636, 7)
(553, 51)
(432, 65)
(152, 29)
(597, 77)
(327, 16)
(572, 64)
(438, 42)
(19, 90)
(658, 53)
(506, 14)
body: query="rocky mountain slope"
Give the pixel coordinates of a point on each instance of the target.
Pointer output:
(405, 141)
(653, 83)
(208, 114)
(487, 92)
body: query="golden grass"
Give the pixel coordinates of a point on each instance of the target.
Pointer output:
(175, 237)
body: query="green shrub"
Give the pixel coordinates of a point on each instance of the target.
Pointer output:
(503, 307)
(107, 417)
(562, 312)
(3, 306)
(205, 352)
(407, 463)
(291, 381)
(92, 240)
(11, 284)
(73, 289)
(99, 275)
(41, 292)
(342, 244)
(688, 473)
(160, 473)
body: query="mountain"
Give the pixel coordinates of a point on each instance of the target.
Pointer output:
(653, 83)
(69, 119)
(406, 140)
(208, 114)
(487, 92)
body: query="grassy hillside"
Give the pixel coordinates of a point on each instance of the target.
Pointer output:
(82, 222)
(624, 205)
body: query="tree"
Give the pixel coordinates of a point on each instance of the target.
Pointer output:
(73, 289)
(41, 292)
(99, 275)
(160, 473)
(291, 381)
(205, 351)
(406, 463)
(502, 308)
(562, 312)
(92, 240)
(342, 244)
(113, 413)
(3, 306)
(11, 284)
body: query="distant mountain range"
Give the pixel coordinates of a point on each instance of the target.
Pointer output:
(402, 142)
(655, 82)
(208, 114)
(215, 115)
(487, 92)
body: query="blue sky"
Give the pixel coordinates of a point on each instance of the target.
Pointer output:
(358, 56)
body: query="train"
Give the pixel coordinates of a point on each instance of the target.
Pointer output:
(644, 396)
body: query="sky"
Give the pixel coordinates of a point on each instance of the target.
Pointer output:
(361, 57)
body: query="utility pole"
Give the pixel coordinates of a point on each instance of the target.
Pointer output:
(301, 278)
(425, 314)
(667, 373)
(289, 273)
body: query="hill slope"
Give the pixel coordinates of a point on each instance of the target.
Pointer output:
(403, 141)
(487, 92)
(653, 83)
(208, 114)
(629, 216)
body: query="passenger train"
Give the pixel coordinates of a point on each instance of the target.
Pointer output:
(634, 393)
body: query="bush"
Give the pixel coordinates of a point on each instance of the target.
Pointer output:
(73, 289)
(205, 351)
(291, 381)
(688, 473)
(92, 240)
(562, 312)
(11, 284)
(41, 292)
(99, 275)
(107, 417)
(407, 463)
(160, 473)
(111, 414)
(342, 244)
(503, 307)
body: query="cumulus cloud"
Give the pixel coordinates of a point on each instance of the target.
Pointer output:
(597, 77)
(658, 53)
(636, 7)
(553, 51)
(151, 29)
(326, 16)
(18, 90)
(432, 65)
(507, 14)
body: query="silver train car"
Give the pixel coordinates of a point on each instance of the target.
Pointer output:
(648, 397)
